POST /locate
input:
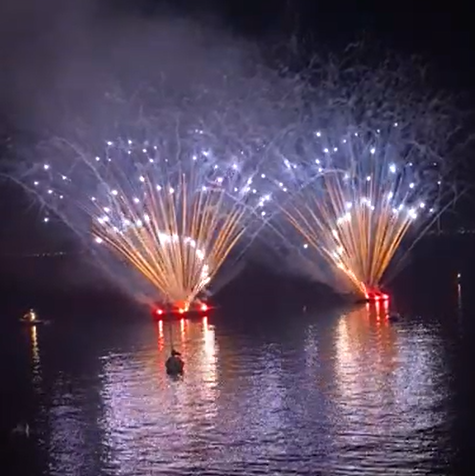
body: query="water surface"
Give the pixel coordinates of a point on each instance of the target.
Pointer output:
(345, 393)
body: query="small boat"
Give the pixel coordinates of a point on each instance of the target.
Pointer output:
(31, 319)
(174, 364)
(22, 429)
(197, 309)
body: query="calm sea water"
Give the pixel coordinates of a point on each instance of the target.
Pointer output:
(343, 393)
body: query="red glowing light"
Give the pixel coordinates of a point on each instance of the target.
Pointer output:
(376, 295)
(181, 311)
(159, 312)
(204, 307)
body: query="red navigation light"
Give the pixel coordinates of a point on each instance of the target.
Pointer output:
(204, 307)
(158, 312)
(181, 311)
(385, 297)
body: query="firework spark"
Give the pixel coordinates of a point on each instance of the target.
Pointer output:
(174, 221)
(365, 194)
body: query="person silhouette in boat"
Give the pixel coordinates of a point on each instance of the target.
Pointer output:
(174, 364)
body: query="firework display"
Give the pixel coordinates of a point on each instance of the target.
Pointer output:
(347, 162)
(363, 194)
(174, 219)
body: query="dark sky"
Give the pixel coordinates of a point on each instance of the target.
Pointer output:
(51, 48)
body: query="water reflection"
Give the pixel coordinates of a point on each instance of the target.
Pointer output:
(392, 392)
(148, 416)
(35, 357)
(336, 394)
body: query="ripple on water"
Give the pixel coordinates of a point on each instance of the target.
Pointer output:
(350, 395)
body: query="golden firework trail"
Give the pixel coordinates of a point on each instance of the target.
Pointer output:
(174, 221)
(360, 206)
(179, 240)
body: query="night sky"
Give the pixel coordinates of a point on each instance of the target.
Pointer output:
(65, 48)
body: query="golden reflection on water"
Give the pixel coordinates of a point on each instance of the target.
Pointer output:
(389, 381)
(35, 357)
(146, 404)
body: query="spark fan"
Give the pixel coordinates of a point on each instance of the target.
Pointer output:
(174, 219)
(367, 193)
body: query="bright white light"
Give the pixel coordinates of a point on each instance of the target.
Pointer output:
(368, 178)
(373, 151)
(136, 200)
(305, 245)
(142, 178)
(326, 151)
(114, 192)
(46, 219)
(109, 143)
(46, 166)
(411, 185)
(319, 134)
(335, 149)
(172, 190)
(50, 192)
(317, 161)
(98, 159)
(263, 175)
(158, 187)
(392, 168)
(422, 205)
(36, 184)
(98, 240)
